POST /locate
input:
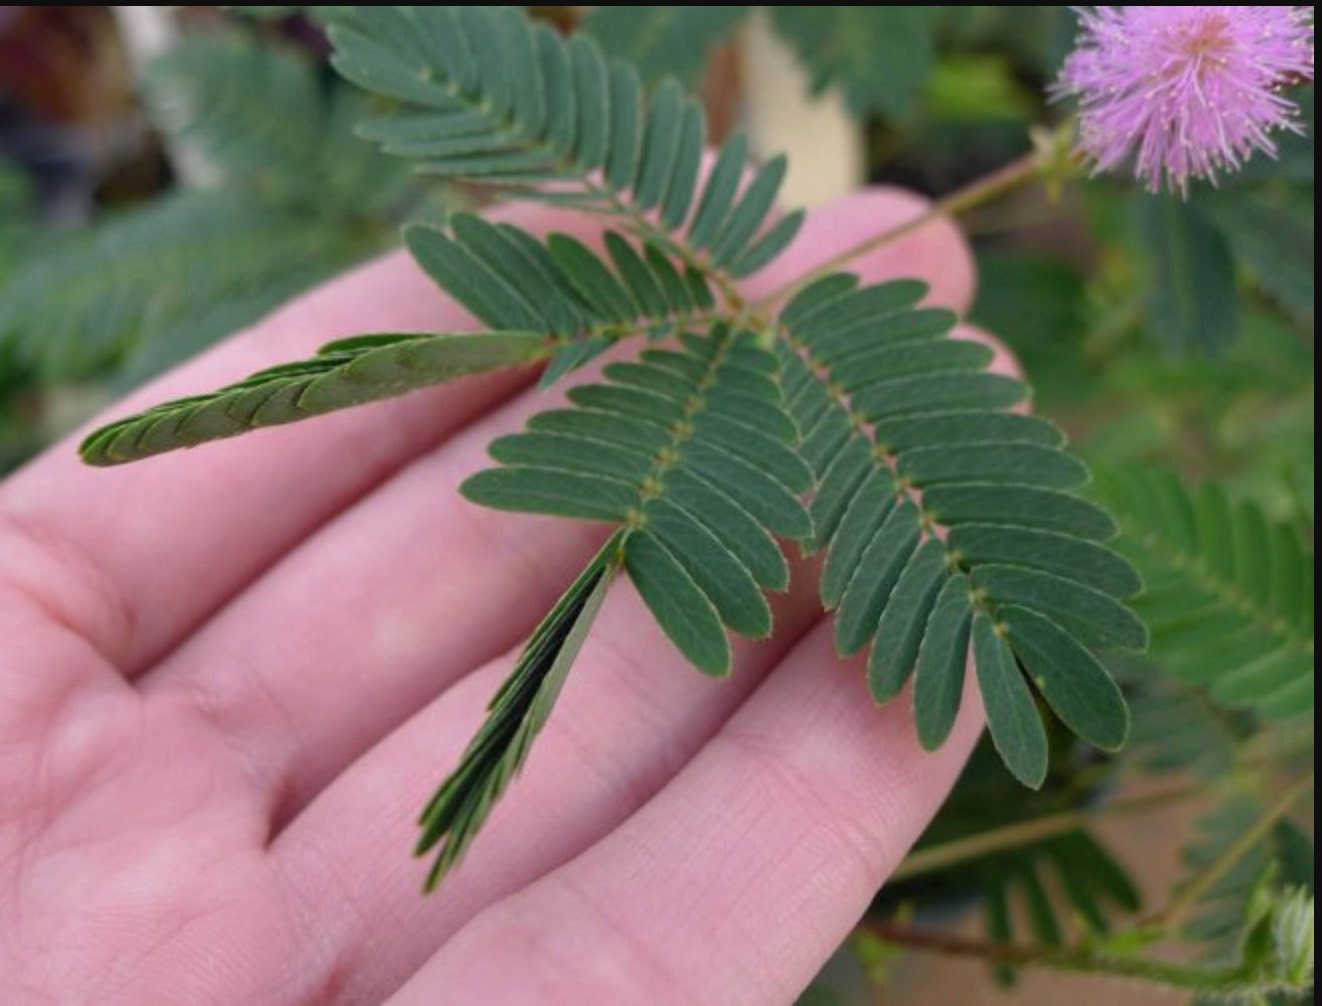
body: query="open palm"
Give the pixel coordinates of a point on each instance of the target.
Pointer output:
(229, 679)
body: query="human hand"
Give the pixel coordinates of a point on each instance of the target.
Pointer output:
(230, 678)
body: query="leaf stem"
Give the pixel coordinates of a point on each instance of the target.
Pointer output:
(1180, 905)
(1014, 836)
(1078, 960)
(977, 192)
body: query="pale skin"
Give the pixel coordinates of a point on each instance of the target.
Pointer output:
(231, 677)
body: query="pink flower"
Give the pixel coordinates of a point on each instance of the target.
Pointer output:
(1193, 90)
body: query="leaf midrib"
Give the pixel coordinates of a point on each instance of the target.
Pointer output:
(638, 221)
(694, 406)
(1225, 592)
(840, 399)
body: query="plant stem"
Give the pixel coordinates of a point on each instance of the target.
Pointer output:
(1178, 907)
(1191, 977)
(1013, 836)
(977, 192)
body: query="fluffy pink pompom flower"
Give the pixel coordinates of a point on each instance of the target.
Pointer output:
(1194, 90)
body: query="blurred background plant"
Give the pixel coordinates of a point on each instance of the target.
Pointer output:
(235, 182)
(168, 175)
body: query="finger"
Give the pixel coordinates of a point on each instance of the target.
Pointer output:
(1003, 362)
(284, 673)
(380, 610)
(632, 713)
(140, 534)
(740, 878)
(936, 252)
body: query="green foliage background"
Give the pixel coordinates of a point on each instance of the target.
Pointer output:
(1172, 340)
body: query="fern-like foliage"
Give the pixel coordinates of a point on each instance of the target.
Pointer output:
(1055, 889)
(850, 421)
(262, 121)
(889, 407)
(1228, 911)
(880, 57)
(348, 372)
(1230, 595)
(292, 198)
(519, 710)
(486, 96)
(75, 311)
(1179, 728)
(690, 449)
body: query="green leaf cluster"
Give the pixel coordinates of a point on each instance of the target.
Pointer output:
(692, 451)
(847, 420)
(452, 818)
(288, 197)
(880, 57)
(485, 96)
(908, 432)
(1227, 921)
(1229, 598)
(364, 368)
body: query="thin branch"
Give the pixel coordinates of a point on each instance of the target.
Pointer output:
(981, 190)
(1179, 906)
(1014, 836)
(1076, 960)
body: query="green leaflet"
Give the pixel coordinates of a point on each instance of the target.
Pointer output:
(1194, 306)
(1072, 681)
(939, 671)
(749, 212)
(768, 247)
(704, 474)
(1096, 619)
(1083, 562)
(1018, 506)
(681, 607)
(863, 519)
(718, 196)
(903, 623)
(480, 93)
(718, 573)
(1022, 572)
(516, 715)
(1012, 718)
(879, 568)
(661, 141)
(343, 374)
